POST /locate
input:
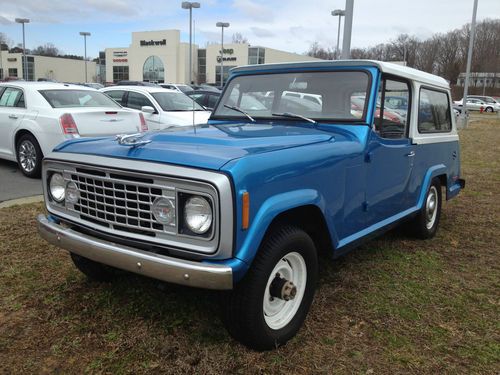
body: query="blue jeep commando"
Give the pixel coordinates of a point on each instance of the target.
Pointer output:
(296, 158)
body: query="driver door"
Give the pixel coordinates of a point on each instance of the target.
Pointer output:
(390, 155)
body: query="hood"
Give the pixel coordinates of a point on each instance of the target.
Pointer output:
(207, 146)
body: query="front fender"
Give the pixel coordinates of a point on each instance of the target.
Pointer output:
(273, 207)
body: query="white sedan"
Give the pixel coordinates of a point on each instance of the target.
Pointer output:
(37, 116)
(162, 108)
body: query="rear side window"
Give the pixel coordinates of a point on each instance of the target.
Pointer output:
(12, 97)
(116, 95)
(433, 111)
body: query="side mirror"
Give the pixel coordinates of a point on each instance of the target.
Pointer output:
(147, 109)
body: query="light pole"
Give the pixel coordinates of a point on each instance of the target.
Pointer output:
(25, 67)
(222, 25)
(346, 43)
(340, 13)
(85, 34)
(463, 115)
(190, 5)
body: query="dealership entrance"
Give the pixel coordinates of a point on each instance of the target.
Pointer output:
(153, 70)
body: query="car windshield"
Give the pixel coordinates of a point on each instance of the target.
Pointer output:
(77, 98)
(176, 101)
(321, 96)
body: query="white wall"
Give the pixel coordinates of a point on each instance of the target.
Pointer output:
(277, 56)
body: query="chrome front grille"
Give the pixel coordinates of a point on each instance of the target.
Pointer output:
(119, 202)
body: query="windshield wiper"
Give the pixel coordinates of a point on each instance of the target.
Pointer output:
(238, 109)
(294, 115)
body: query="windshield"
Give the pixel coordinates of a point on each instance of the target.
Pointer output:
(320, 96)
(176, 101)
(77, 99)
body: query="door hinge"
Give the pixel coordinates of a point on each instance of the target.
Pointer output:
(365, 206)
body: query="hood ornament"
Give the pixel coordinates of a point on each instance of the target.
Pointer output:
(133, 140)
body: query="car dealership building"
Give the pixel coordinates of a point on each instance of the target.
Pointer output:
(160, 56)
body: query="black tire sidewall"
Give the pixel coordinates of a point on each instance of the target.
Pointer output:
(36, 172)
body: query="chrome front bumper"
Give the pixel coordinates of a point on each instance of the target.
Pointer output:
(173, 270)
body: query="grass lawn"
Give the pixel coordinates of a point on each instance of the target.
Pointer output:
(395, 305)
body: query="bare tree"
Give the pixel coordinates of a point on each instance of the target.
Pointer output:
(315, 50)
(47, 49)
(238, 38)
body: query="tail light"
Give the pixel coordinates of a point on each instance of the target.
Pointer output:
(144, 125)
(68, 125)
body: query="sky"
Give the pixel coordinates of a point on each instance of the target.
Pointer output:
(290, 25)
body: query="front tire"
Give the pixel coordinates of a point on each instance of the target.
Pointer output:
(29, 156)
(93, 270)
(267, 308)
(426, 223)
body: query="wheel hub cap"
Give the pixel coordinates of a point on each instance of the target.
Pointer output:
(285, 290)
(431, 207)
(27, 156)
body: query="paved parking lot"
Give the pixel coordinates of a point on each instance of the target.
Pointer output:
(13, 184)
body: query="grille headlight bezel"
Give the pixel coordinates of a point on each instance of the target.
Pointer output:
(164, 211)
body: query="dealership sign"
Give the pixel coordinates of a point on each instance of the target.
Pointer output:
(120, 60)
(120, 53)
(226, 51)
(146, 43)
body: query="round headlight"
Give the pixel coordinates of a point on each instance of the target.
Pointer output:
(164, 211)
(57, 187)
(198, 214)
(72, 193)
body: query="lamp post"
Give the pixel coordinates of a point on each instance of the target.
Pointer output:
(25, 67)
(340, 13)
(85, 34)
(346, 42)
(222, 25)
(463, 115)
(190, 5)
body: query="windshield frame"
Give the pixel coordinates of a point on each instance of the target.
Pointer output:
(361, 121)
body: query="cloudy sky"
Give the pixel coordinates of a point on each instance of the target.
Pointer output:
(290, 25)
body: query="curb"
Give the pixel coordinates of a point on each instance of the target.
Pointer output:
(21, 201)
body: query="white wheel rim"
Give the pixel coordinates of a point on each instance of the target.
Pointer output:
(278, 312)
(27, 156)
(431, 207)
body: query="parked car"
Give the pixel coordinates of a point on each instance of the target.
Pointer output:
(162, 108)
(177, 86)
(205, 98)
(246, 203)
(93, 85)
(475, 102)
(135, 83)
(205, 87)
(37, 116)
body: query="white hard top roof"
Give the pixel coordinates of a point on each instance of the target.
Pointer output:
(138, 88)
(386, 67)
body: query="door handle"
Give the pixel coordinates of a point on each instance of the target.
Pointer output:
(412, 153)
(13, 116)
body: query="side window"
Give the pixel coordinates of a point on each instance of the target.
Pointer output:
(212, 100)
(11, 98)
(116, 95)
(392, 113)
(137, 101)
(433, 111)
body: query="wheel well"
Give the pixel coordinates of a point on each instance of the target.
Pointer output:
(310, 219)
(19, 134)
